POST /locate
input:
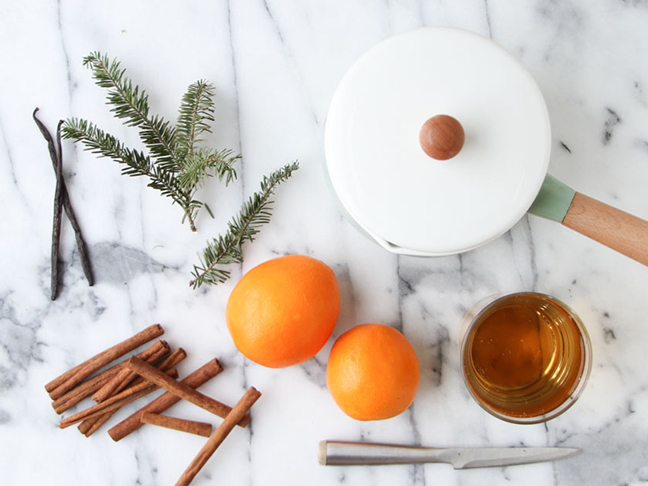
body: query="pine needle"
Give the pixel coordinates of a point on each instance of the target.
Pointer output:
(175, 165)
(225, 250)
(198, 167)
(131, 104)
(196, 109)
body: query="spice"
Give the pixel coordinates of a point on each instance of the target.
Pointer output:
(155, 371)
(239, 411)
(196, 379)
(68, 380)
(180, 389)
(189, 426)
(114, 403)
(85, 389)
(90, 425)
(90, 386)
(58, 210)
(62, 200)
(122, 379)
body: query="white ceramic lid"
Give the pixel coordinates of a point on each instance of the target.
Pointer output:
(408, 201)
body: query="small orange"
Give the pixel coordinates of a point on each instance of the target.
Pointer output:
(283, 311)
(372, 372)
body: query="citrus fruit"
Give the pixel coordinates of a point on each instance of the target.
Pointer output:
(284, 310)
(372, 372)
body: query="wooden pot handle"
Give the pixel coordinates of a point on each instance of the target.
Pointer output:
(612, 227)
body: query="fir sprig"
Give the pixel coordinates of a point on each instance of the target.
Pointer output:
(196, 109)
(227, 249)
(204, 163)
(175, 165)
(131, 104)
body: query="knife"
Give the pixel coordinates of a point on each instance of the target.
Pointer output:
(337, 453)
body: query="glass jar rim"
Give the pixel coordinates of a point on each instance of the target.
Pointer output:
(474, 316)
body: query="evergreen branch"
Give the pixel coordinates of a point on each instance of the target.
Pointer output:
(135, 162)
(173, 164)
(227, 249)
(196, 109)
(198, 166)
(131, 103)
(105, 145)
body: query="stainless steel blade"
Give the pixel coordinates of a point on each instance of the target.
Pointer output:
(363, 453)
(464, 458)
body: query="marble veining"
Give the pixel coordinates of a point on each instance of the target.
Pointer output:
(275, 66)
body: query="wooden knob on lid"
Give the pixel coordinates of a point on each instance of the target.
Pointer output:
(441, 137)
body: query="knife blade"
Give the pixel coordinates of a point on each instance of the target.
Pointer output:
(338, 453)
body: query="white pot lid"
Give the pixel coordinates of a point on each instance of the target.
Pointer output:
(408, 201)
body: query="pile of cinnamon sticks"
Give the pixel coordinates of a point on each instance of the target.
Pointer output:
(141, 374)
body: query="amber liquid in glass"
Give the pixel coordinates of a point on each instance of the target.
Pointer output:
(524, 356)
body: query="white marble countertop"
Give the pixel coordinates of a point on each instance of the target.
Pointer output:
(275, 66)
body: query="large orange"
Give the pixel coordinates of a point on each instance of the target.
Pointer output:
(283, 311)
(372, 372)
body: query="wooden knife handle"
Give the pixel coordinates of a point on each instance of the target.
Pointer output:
(610, 226)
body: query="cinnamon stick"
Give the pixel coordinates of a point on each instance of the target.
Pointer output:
(91, 425)
(199, 428)
(85, 389)
(239, 411)
(88, 387)
(183, 391)
(196, 379)
(120, 381)
(114, 403)
(68, 380)
(173, 359)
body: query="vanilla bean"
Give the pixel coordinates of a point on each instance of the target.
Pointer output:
(58, 211)
(69, 211)
(48, 137)
(81, 244)
(65, 198)
(56, 226)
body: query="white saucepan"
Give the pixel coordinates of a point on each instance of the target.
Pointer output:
(438, 141)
